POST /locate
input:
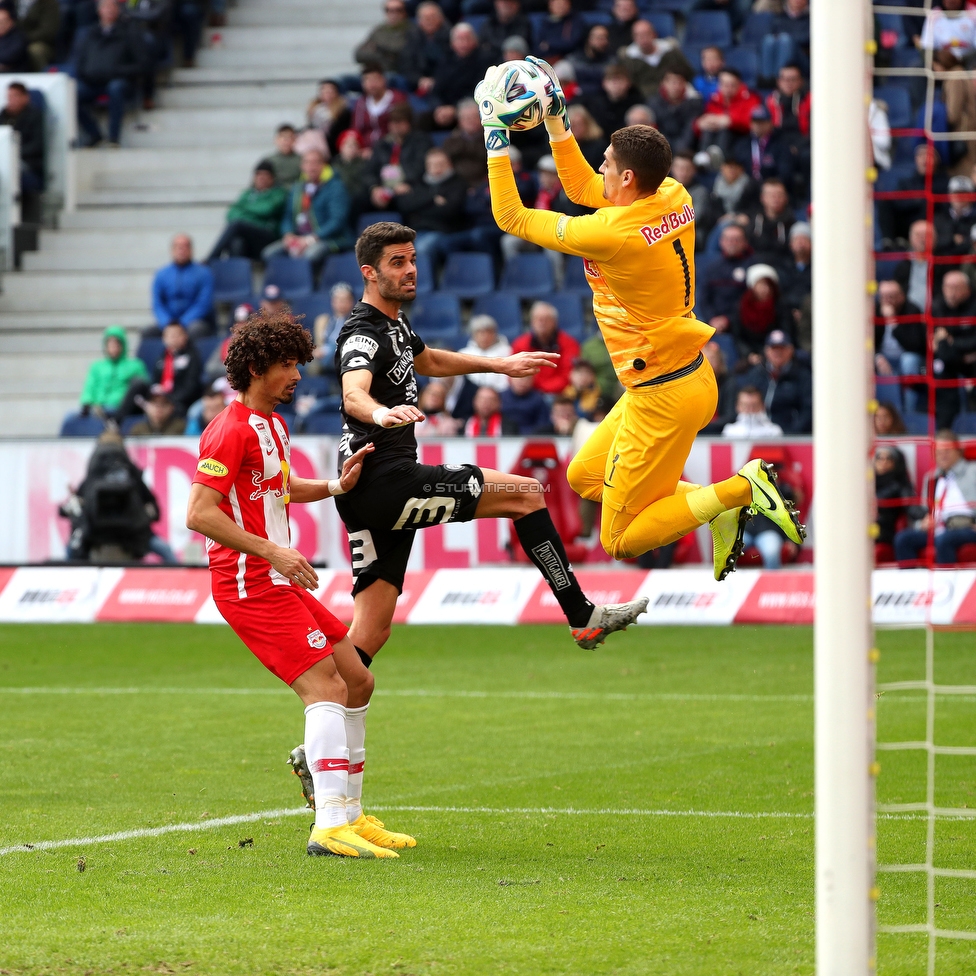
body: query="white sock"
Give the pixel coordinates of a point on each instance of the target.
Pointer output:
(356, 741)
(328, 761)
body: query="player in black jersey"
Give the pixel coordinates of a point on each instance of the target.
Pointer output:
(377, 357)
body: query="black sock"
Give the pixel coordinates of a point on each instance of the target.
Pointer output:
(363, 656)
(542, 545)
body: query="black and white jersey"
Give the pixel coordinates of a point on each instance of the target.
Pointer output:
(386, 347)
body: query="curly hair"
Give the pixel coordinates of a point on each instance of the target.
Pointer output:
(261, 341)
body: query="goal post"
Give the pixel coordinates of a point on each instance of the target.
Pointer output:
(842, 371)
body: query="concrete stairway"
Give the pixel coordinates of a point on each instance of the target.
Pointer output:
(180, 167)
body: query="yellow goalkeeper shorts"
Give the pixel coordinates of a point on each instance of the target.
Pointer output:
(637, 454)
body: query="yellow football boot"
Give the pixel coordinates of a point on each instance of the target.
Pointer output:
(767, 500)
(728, 529)
(343, 841)
(372, 830)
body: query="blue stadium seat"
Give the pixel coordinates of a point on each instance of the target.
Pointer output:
(75, 425)
(538, 22)
(439, 138)
(745, 60)
(425, 275)
(726, 343)
(316, 386)
(292, 275)
(149, 351)
(341, 267)
(528, 276)
(206, 346)
(674, 6)
(311, 306)
(570, 314)
(367, 219)
(965, 423)
(663, 22)
(477, 21)
(888, 393)
(709, 27)
(468, 274)
(323, 422)
(899, 105)
(756, 27)
(129, 422)
(593, 17)
(895, 25)
(232, 280)
(505, 308)
(436, 316)
(574, 277)
(917, 424)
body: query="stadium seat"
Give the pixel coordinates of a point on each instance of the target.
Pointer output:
(323, 422)
(574, 277)
(899, 105)
(888, 393)
(965, 423)
(425, 275)
(917, 424)
(232, 280)
(292, 275)
(570, 314)
(311, 306)
(505, 308)
(663, 22)
(368, 219)
(756, 27)
(439, 138)
(674, 6)
(709, 28)
(341, 267)
(149, 352)
(745, 60)
(593, 17)
(129, 422)
(538, 23)
(76, 425)
(436, 316)
(726, 343)
(528, 276)
(477, 21)
(468, 274)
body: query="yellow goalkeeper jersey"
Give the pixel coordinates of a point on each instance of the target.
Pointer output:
(639, 261)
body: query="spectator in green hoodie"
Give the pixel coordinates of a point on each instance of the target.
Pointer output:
(109, 378)
(253, 221)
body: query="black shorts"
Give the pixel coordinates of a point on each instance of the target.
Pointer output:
(382, 517)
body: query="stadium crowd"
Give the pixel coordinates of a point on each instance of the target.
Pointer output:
(725, 80)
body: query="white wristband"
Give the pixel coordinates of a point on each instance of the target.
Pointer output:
(335, 487)
(378, 414)
(557, 129)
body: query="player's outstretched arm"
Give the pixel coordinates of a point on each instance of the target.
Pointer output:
(203, 515)
(443, 362)
(309, 490)
(358, 404)
(581, 184)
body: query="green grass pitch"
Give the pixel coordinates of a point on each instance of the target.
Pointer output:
(481, 740)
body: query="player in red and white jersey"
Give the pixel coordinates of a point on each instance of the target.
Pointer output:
(239, 500)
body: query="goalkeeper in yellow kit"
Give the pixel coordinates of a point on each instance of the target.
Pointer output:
(638, 251)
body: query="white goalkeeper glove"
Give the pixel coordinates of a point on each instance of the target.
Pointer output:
(500, 106)
(557, 117)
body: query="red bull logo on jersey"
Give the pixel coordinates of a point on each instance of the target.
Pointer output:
(670, 222)
(275, 486)
(317, 639)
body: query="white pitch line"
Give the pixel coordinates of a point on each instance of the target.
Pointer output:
(51, 845)
(195, 826)
(422, 693)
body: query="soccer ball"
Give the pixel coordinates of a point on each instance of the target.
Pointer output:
(529, 93)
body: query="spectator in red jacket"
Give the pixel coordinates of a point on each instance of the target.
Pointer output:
(727, 113)
(371, 116)
(789, 104)
(544, 334)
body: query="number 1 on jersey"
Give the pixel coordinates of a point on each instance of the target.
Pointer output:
(680, 251)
